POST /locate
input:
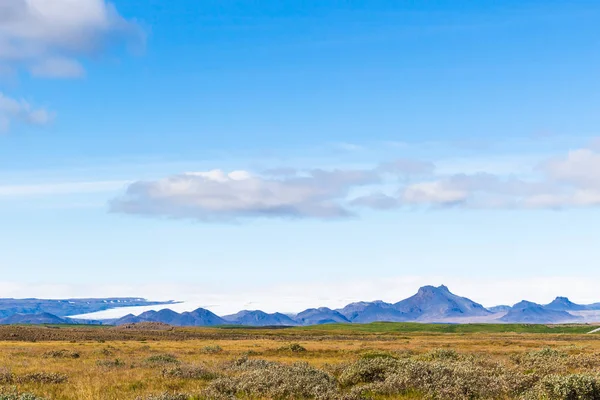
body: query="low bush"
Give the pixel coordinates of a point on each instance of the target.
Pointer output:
(566, 387)
(434, 379)
(42, 378)
(190, 372)
(8, 378)
(13, 394)
(275, 381)
(211, 349)
(368, 370)
(167, 396)
(162, 359)
(116, 363)
(441, 355)
(61, 354)
(378, 354)
(248, 364)
(292, 348)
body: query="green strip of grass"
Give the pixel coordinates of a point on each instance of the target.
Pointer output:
(407, 327)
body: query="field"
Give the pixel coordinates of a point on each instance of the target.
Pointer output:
(345, 362)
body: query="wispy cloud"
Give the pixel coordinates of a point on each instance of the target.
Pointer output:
(61, 188)
(20, 111)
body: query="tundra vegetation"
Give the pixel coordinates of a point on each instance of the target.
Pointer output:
(337, 362)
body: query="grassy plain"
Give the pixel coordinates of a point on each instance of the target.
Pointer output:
(380, 361)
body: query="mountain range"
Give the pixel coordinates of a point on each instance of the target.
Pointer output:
(64, 308)
(429, 304)
(528, 312)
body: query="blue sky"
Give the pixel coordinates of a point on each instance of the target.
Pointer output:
(357, 150)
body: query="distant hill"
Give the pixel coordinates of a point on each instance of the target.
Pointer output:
(564, 304)
(33, 319)
(432, 304)
(318, 316)
(259, 318)
(497, 309)
(533, 313)
(365, 312)
(198, 317)
(67, 307)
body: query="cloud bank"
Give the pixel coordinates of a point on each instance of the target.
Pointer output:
(572, 180)
(48, 37)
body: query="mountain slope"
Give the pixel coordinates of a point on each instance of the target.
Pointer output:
(533, 313)
(501, 308)
(318, 316)
(438, 303)
(259, 318)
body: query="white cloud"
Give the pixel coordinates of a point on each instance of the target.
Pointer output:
(22, 112)
(218, 196)
(437, 192)
(48, 36)
(580, 167)
(561, 182)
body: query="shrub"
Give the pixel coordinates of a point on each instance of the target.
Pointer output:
(441, 355)
(566, 387)
(6, 377)
(162, 359)
(167, 396)
(368, 370)
(293, 348)
(13, 394)
(545, 361)
(190, 372)
(116, 363)
(439, 380)
(107, 351)
(335, 369)
(275, 381)
(211, 349)
(377, 354)
(248, 364)
(42, 377)
(61, 354)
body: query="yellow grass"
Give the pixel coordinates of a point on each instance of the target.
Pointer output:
(87, 380)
